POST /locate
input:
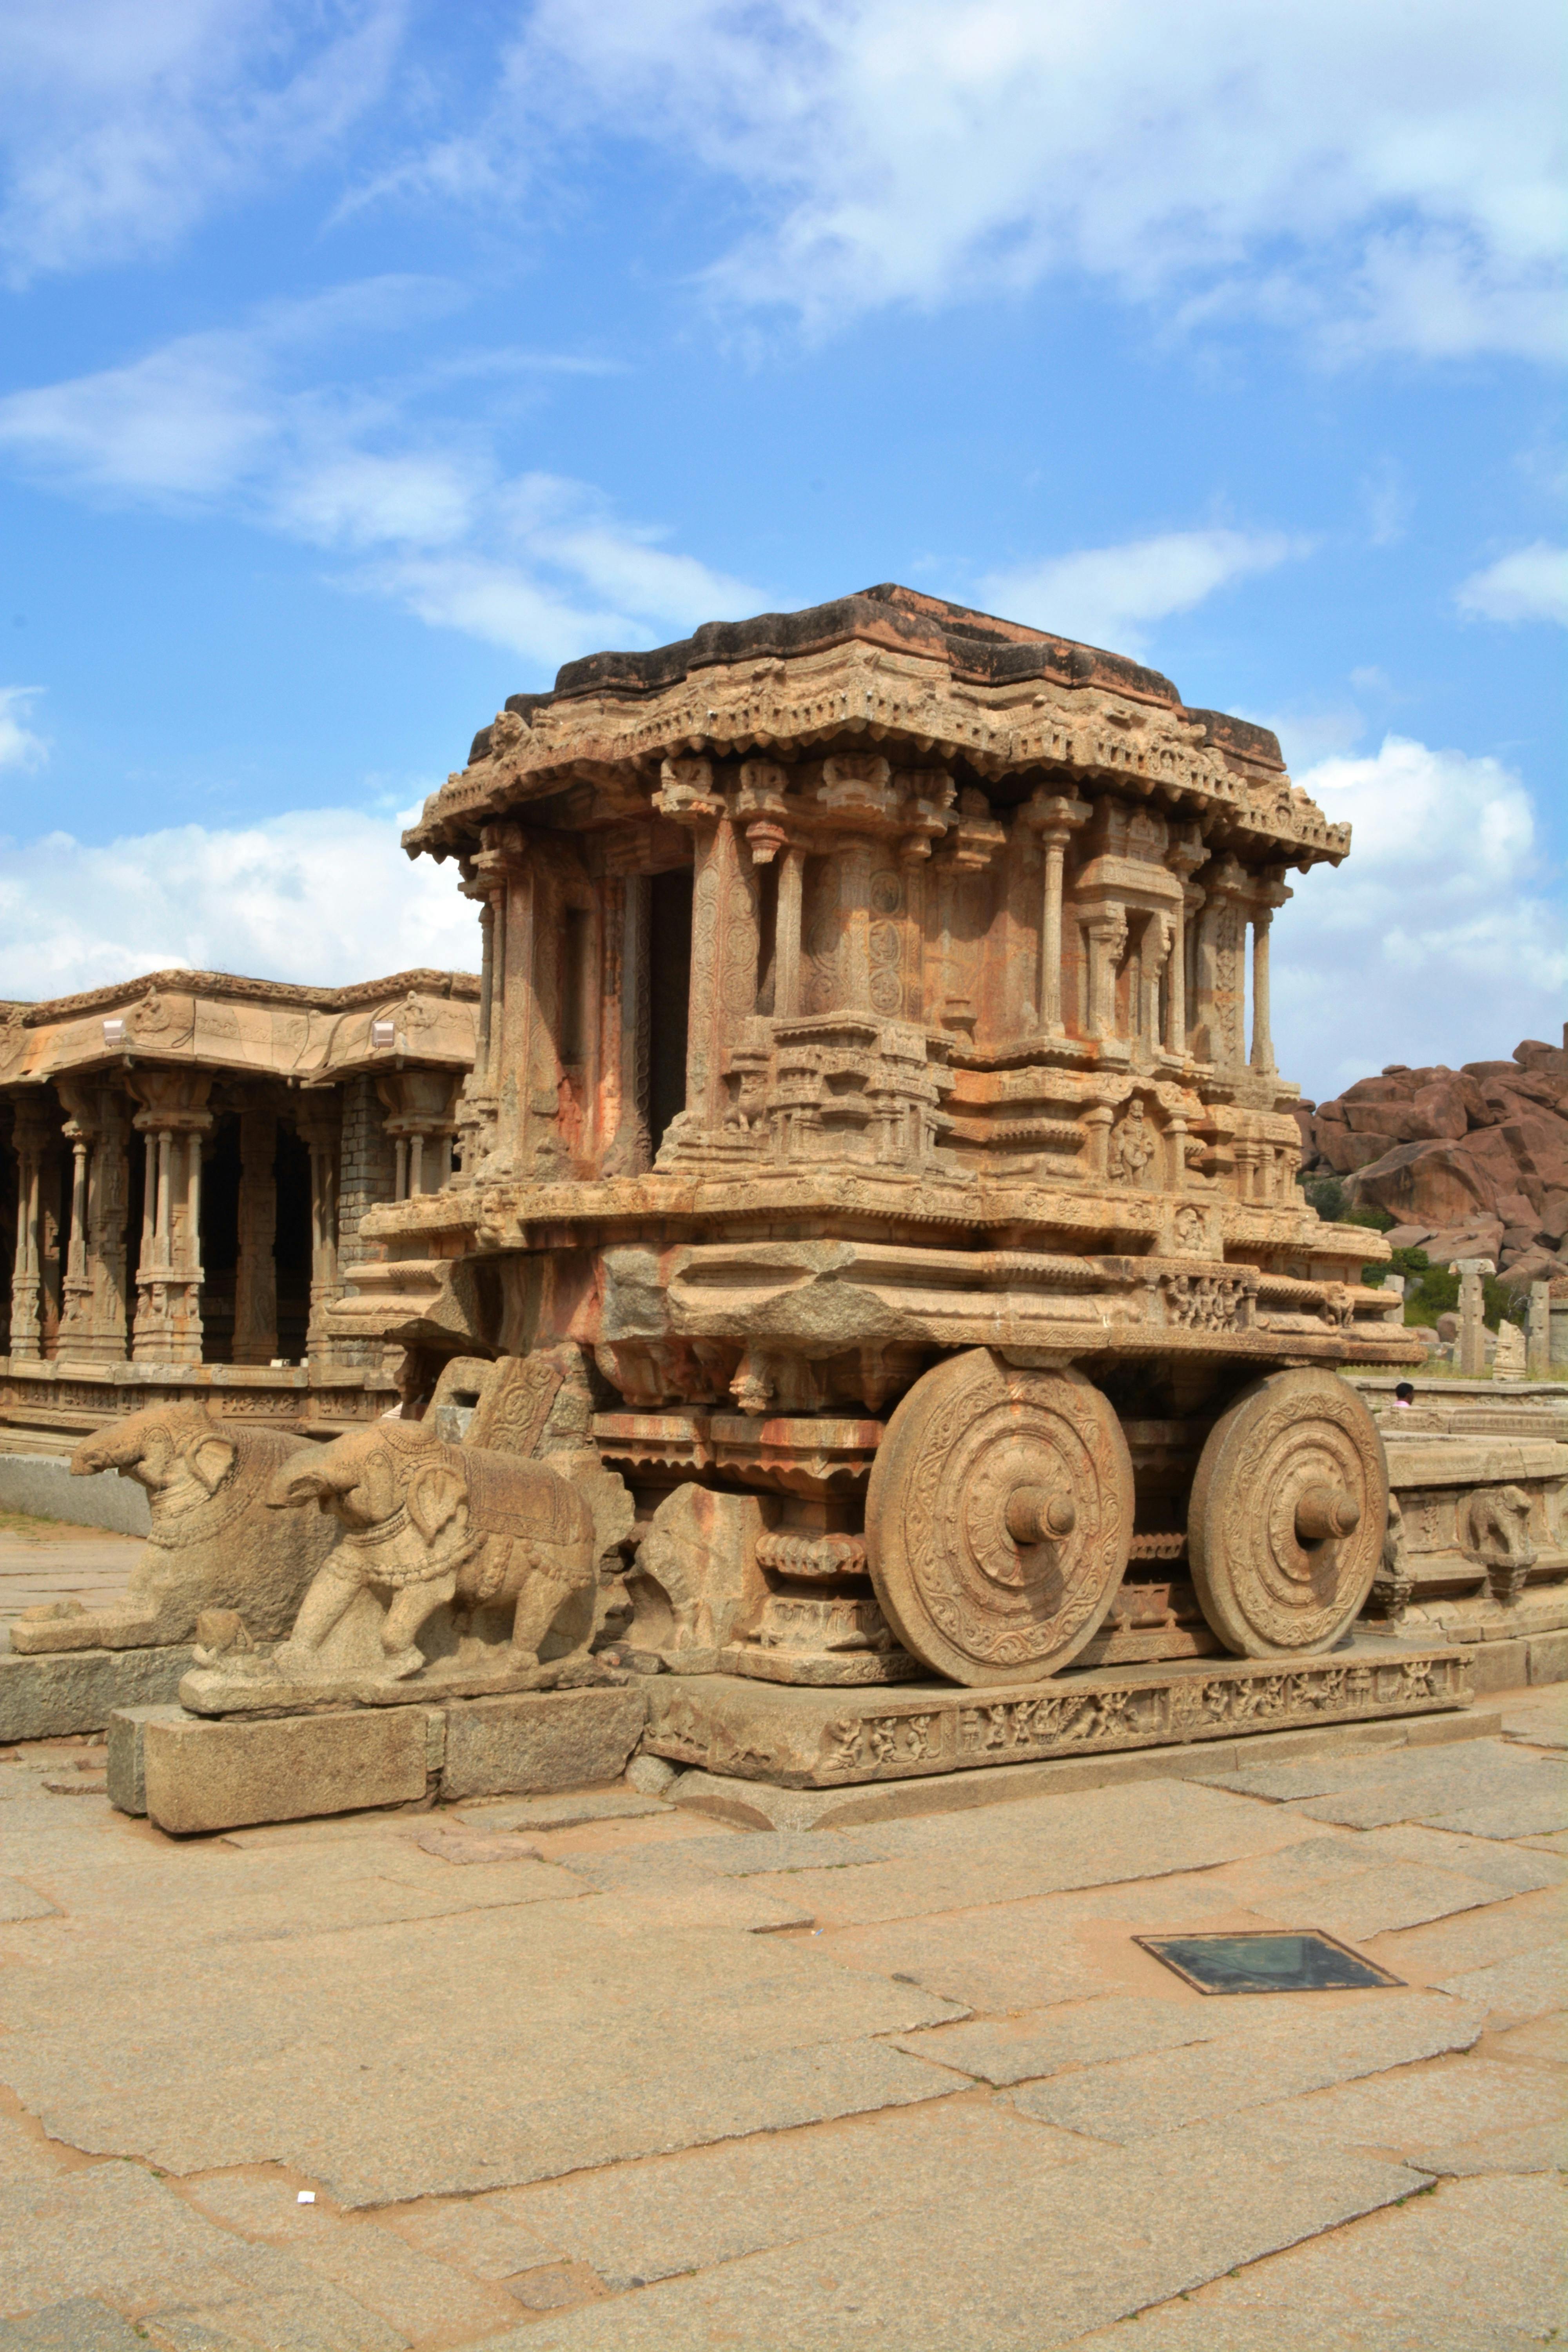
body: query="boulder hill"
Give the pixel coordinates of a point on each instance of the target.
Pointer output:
(1470, 1163)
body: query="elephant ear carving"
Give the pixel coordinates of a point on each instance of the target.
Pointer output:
(436, 1494)
(211, 1460)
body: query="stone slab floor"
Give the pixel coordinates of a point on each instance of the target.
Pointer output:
(590, 2074)
(44, 1560)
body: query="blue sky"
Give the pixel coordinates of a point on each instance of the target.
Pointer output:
(363, 360)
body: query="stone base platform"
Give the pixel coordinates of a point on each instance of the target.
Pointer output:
(56, 1693)
(802, 1739)
(192, 1774)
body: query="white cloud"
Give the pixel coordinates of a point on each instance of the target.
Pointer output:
(268, 900)
(1111, 595)
(1379, 178)
(19, 747)
(1532, 584)
(1439, 939)
(232, 422)
(122, 126)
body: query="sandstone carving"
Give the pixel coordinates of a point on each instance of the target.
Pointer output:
(874, 1094)
(213, 1546)
(424, 1524)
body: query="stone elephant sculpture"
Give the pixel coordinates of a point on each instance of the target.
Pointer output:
(214, 1543)
(422, 1523)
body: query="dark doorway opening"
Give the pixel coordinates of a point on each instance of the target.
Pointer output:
(669, 993)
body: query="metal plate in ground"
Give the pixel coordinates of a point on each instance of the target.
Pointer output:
(1267, 1962)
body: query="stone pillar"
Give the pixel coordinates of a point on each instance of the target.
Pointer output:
(1272, 894)
(1472, 1353)
(1154, 957)
(855, 931)
(1056, 817)
(1539, 1356)
(92, 1325)
(1218, 1011)
(1097, 1125)
(786, 945)
(30, 1139)
(320, 1131)
(1187, 856)
(1107, 939)
(255, 1272)
(173, 1118)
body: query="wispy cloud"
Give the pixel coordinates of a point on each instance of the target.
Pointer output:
(1531, 585)
(121, 127)
(1441, 937)
(19, 747)
(1113, 595)
(1375, 182)
(245, 421)
(267, 898)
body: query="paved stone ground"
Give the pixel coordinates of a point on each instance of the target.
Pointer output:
(44, 1560)
(595, 2075)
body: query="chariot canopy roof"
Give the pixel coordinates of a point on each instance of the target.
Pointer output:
(1006, 707)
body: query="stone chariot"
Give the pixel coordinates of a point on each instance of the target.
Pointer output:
(866, 1106)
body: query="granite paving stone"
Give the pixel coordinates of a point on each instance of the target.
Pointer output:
(1507, 1869)
(1013, 1955)
(1525, 1985)
(638, 2222)
(1456, 2116)
(790, 1850)
(81, 2325)
(114, 2232)
(1542, 2043)
(1007, 1853)
(636, 2040)
(411, 2290)
(18, 1901)
(1041, 2042)
(1009, 2269)
(1540, 1718)
(1477, 1940)
(1287, 2047)
(475, 2233)
(1475, 2265)
(562, 1813)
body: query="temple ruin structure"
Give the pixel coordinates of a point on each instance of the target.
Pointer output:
(186, 1162)
(874, 1082)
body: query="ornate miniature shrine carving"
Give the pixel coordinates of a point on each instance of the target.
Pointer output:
(874, 1086)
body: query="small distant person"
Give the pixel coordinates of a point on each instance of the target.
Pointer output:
(1404, 1392)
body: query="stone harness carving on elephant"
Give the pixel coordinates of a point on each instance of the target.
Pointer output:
(421, 1522)
(214, 1543)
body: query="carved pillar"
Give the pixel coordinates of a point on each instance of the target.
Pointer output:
(1055, 816)
(256, 1271)
(1538, 1344)
(1154, 957)
(1472, 1352)
(1274, 894)
(173, 1119)
(1107, 939)
(1098, 1124)
(30, 1139)
(1187, 854)
(92, 1322)
(855, 932)
(786, 949)
(1220, 987)
(321, 1132)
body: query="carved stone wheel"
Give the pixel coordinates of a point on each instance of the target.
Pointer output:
(1286, 1522)
(998, 1518)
